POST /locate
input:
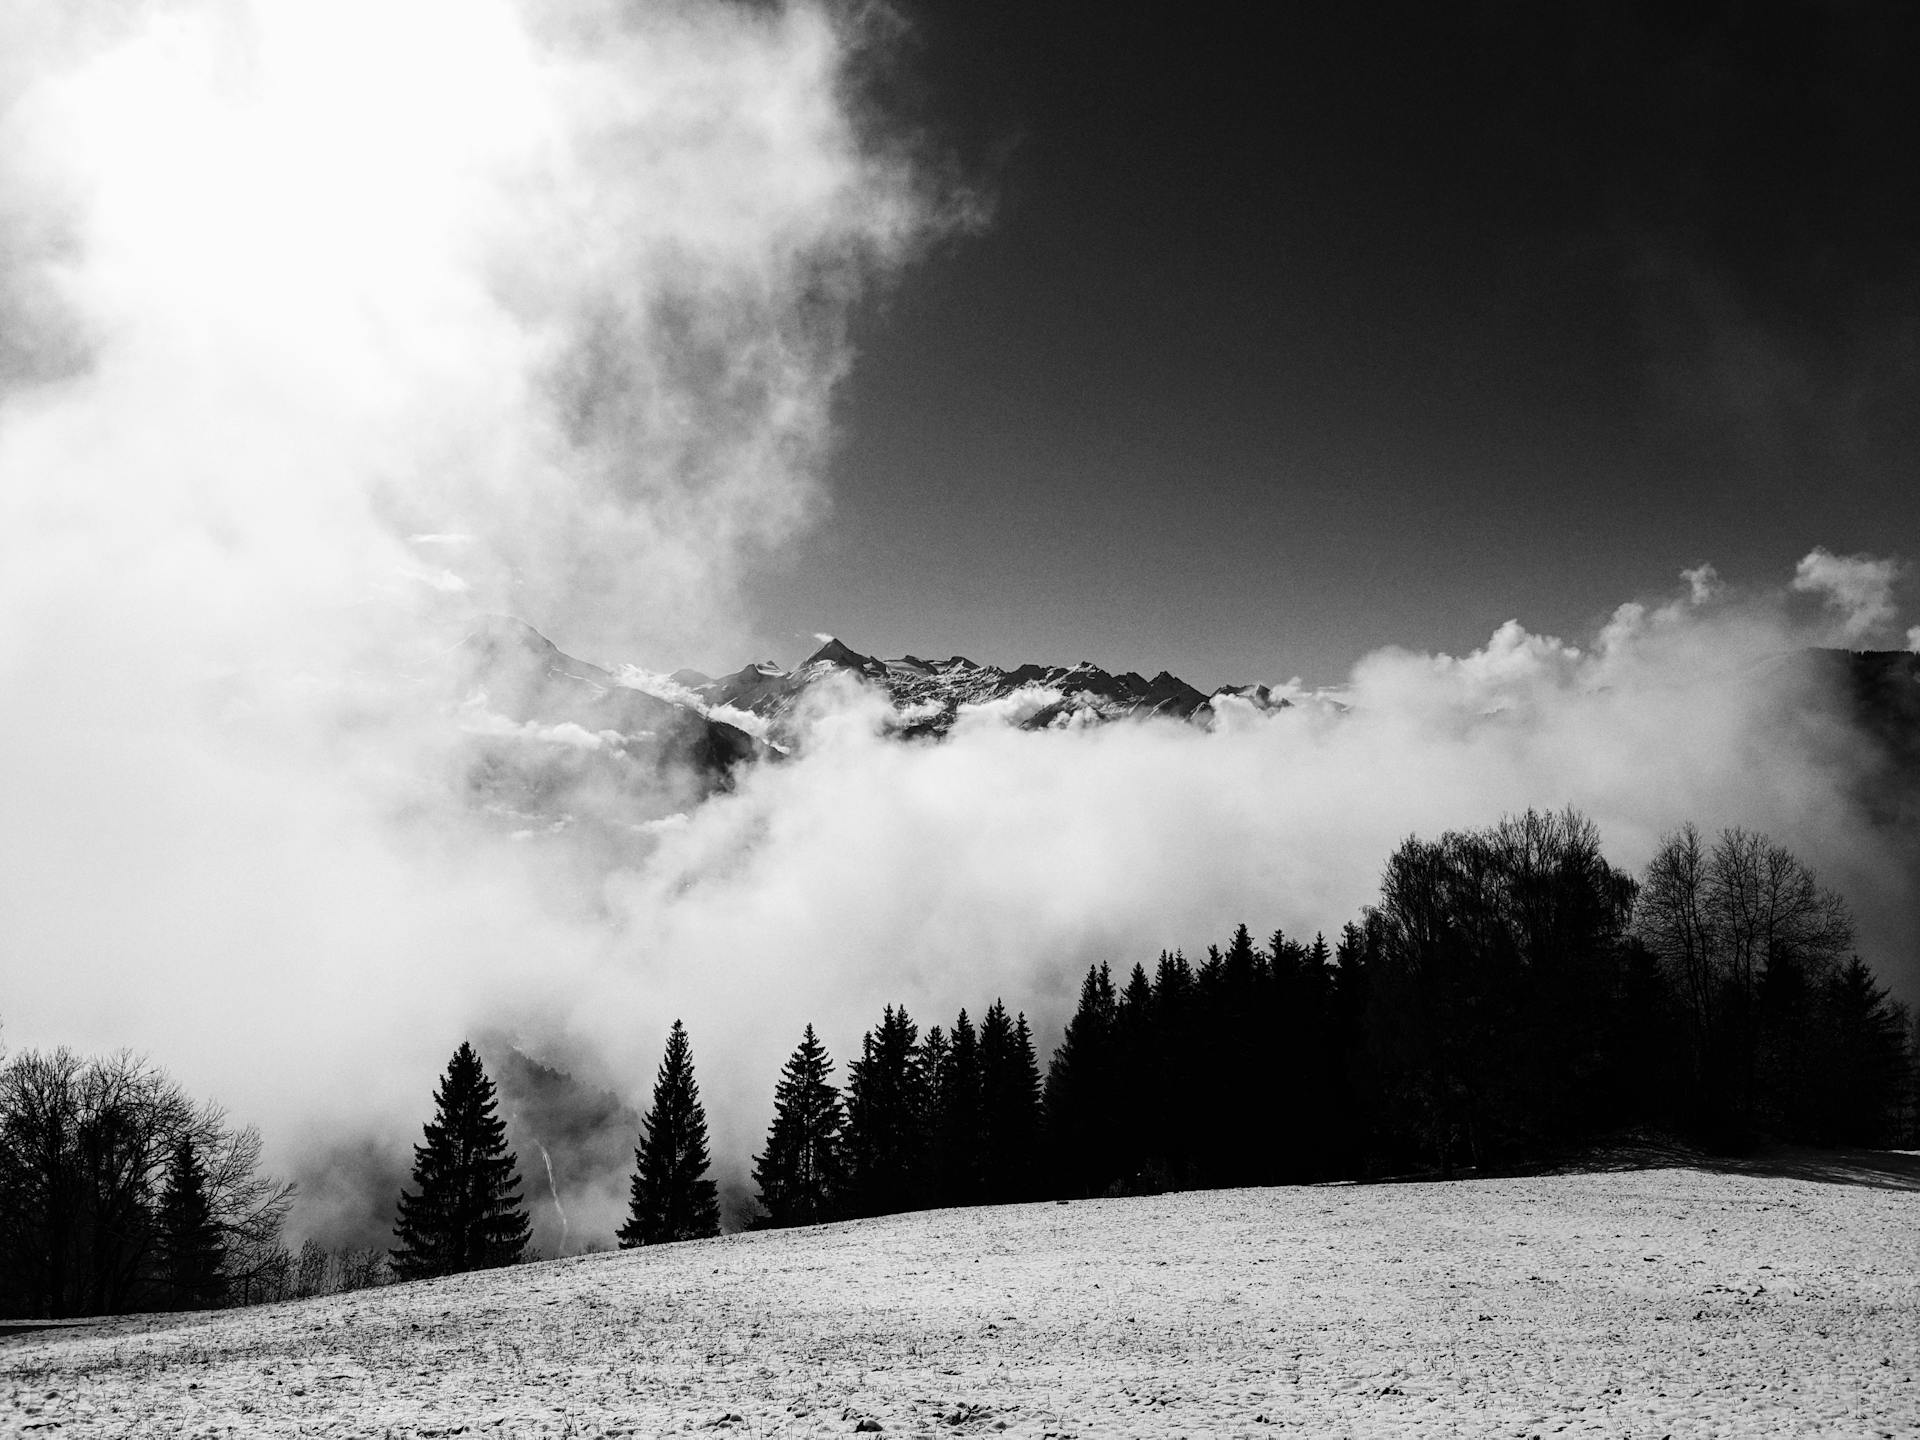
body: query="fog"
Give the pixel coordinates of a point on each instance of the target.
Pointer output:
(327, 328)
(330, 329)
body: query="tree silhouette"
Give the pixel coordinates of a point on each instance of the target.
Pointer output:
(467, 1213)
(191, 1245)
(1009, 1107)
(801, 1174)
(958, 1128)
(1082, 1092)
(672, 1199)
(1748, 939)
(86, 1146)
(1864, 1061)
(886, 1117)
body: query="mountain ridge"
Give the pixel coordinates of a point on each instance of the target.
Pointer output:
(551, 742)
(932, 694)
(710, 725)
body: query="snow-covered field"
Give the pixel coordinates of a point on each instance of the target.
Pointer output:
(1648, 1303)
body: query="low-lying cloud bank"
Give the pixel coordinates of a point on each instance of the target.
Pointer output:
(1002, 861)
(548, 320)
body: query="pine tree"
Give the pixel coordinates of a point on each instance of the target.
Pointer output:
(957, 1120)
(1859, 1089)
(1137, 1080)
(672, 1198)
(801, 1175)
(1082, 1103)
(936, 1050)
(1009, 1107)
(192, 1247)
(467, 1214)
(1173, 1101)
(886, 1118)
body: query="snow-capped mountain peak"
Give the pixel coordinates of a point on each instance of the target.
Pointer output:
(929, 695)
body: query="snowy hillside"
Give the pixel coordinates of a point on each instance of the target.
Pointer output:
(1652, 1302)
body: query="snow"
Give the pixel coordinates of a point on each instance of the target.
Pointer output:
(1635, 1303)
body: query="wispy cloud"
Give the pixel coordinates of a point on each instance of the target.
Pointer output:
(1858, 587)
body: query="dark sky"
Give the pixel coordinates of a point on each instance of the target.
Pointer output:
(1297, 330)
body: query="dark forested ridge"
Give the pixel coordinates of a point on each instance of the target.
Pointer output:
(1510, 998)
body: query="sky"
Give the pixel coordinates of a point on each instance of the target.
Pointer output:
(1284, 332)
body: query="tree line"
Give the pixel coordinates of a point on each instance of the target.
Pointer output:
(1510, 996)
(948, 1118)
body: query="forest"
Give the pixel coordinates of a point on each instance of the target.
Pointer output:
(1511, 999)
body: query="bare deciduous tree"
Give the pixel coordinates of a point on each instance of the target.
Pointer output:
(1725, 923)
(84, 1149)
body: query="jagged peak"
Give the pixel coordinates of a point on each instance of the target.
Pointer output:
(834, 652)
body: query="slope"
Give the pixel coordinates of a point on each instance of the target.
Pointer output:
(1648, 1302)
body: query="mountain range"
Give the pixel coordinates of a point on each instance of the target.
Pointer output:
(928, 696)
(553, 735)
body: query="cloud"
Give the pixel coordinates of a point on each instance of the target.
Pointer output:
(327, 328)
(1002, 862)
(1859, 587)
(1703, 583)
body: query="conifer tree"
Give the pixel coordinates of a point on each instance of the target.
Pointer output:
(672, 1199)
(801, 1176)
(886, 1117)
(1864, 1060)
(1082, 1104)
(191, 1245)
(935, 1051)
(467, 1213)
(1027, 1063)
(1137, 1080)
(1009, 1107)
(957, 1129)
(1176, 1096)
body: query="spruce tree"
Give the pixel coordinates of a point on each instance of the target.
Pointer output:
(1009, 1107)
(467, 1213)
(1178, 1045)
(1082, 1100)
(958, 1168)
(672, 1199)
(886, 1118)
(801, 1176)
(1138, 1081)
(192, 1247)
(1860, 1080)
